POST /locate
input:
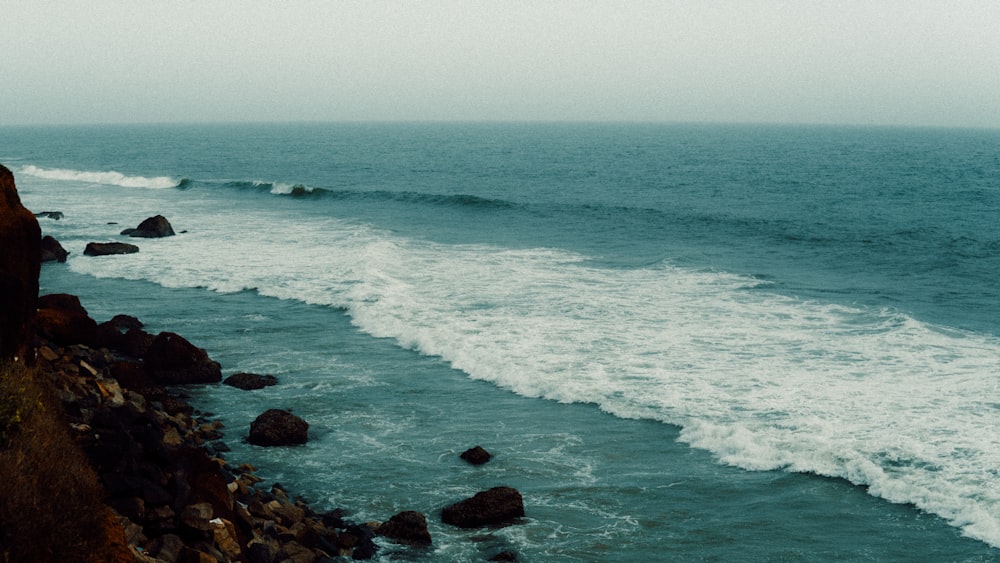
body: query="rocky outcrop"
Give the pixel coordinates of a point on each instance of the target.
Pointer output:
(174, 501)
(278, 428)
(109, 248)
(476, 455)
(408, 527)
(172, 360)
(250, 381)
(124, 334)
(52, 251)
(62, 319)
(497, 506)
(20, 262)
(153, 227)
(57, 215)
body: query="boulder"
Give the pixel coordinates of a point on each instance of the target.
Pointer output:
(108, 248)
(278, 428)
(63, 320)
(476, 455)
(20, 262)
(499, 505)
(250, 381)
(57, 215)
(52, 251)
(408, 527)
(124, 334)
(153, 227)
(172, 360)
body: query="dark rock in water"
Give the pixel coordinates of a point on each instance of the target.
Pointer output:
(172, 360)
(499, 505)
(476, 455)
(278, 428)
(20, 262)
(62, 319)
(504, 556)
(52, 251)
(250, 381)
(124, 334)
(108, 248)
(409, 527)
(57, 215)
(153, 227)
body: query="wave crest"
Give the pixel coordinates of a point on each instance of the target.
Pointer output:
(108, 178)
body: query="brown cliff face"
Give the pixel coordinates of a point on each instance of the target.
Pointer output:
(20, 261)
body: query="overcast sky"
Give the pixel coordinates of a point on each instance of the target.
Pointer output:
(891, 62)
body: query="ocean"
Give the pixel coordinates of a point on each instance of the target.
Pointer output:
(681, 342)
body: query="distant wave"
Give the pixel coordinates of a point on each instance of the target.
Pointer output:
(109, 178)
(302, 190)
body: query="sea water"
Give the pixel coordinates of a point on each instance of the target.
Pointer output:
(680, 342)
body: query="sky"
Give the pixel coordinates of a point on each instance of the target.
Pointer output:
(889, 62)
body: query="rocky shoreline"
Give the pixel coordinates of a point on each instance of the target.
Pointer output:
(159, 462)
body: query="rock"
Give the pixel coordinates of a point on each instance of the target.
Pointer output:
(153, 227)
(108, 248)
(124, 334)
(52, 251)
(197, 516)
(476, 455)
(409, 527)
(20, 262)
(62, 319)
(250, 381)
(499, 505)
(504, 556)
(172, 360)
(278, 428)
(57, 215)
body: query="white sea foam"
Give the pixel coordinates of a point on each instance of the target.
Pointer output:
(110, 178)
(763, 381)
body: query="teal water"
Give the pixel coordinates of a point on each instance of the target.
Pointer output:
(681, 342)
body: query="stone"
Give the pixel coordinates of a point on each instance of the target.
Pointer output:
(278, 428)
(197, 516)
(20, 262)
(109, 248)
(52, 251)
(57, 215)
(499, 505)
(62, 319)
(408, 527)
(250, 381)
(476, 455)
(172, 360)
(153, 227)
(504, 556)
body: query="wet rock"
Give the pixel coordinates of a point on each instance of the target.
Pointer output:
(476, 455)
(250, 381)
(109, 248)
(278, 428)
(20, 262)
(52, 251)
(172, 360)
(409, 527)
(504, 556)
(57, 215)
(499, 505)
(153, 227)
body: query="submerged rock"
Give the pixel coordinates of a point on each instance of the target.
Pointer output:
(276, 427)
(250, 381)
(476, 455)
(499, 505)
(108, 248)
(408, 527)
